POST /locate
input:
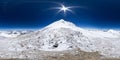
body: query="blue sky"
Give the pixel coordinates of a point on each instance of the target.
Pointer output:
(34, 14)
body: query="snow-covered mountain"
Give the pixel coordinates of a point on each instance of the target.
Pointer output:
(12, 34)
(63, 35)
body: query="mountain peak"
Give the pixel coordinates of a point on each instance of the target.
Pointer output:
(61, 20)
(61, 23)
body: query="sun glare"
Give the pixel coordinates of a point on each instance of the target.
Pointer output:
(63, 8)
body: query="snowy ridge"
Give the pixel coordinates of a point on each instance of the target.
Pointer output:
(9, 34)
(12, 34)
(61, 23)
(63, 35)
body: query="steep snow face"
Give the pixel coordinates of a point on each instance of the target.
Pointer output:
(63, 35)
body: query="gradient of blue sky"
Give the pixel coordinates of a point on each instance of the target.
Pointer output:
(34, 13)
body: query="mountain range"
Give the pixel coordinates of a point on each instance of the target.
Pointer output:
(62, 35)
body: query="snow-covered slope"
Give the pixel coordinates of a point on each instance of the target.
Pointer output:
(63, 35)
(7, 36)
(12, 34)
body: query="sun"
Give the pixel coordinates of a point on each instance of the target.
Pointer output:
(63, 8)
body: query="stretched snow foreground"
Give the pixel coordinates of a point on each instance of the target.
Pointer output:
(63, 35)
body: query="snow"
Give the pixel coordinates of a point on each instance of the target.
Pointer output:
(9, 34)
(63, 35)
(62, 23)
(13, 34)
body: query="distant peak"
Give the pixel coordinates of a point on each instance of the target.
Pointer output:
(62, 23)
(112, 31)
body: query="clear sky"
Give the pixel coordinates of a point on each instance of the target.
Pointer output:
(35, 13)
